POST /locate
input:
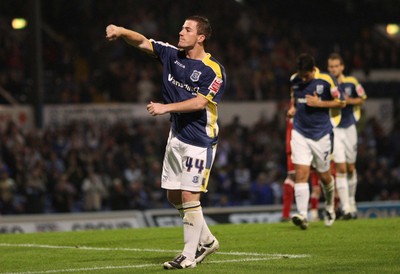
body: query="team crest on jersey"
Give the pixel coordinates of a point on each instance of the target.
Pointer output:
(348, 91)
(320, 89)
(195, 75)
(195, 179)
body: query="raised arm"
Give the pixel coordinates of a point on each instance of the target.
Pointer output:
(131, 37)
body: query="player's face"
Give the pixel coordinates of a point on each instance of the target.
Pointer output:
(188, 36)
(335, 67)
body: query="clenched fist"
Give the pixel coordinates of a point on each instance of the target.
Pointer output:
(112, 32)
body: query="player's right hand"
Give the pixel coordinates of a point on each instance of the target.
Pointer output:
(112, 32)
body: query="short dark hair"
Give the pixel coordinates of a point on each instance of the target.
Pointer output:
(305, 63)
(336, 56)
(203, 26)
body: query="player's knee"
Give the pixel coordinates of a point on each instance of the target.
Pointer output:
(174, 197)
(350, 168)
(341, 168)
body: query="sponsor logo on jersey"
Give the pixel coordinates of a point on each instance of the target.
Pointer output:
(176, 83)
(301, 100)
(360, 91)
(179, 64)
(215, 86)
(195, 75)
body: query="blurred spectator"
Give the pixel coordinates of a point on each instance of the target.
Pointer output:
(139, 196)
(242, 180)
(63, 195)
(145, 88)
(119, 196)
(36, 189)
(93, 191)
(7, 190)
(153, 184)
(261, 191)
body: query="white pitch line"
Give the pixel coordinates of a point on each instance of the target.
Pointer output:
(149, 250)
(262, 257)
(88, 248)
(87, 269)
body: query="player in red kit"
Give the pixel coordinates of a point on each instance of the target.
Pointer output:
(288, 184)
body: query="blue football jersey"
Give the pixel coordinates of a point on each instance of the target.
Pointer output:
(185, 78)
(315, 122)
(351, 113)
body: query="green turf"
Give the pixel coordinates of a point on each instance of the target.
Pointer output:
(356, 246)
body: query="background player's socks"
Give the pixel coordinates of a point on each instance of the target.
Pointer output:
(343, 191)
(352, 180)
(329, 192)
(287, 198)
(302, 196)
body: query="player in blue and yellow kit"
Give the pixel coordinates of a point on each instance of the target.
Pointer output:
(193, 84)
(345, 140)
(317, 102)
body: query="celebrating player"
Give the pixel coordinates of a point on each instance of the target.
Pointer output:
(345, 137)
(193, 84)
(316, 97)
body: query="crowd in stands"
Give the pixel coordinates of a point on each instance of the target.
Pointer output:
(92, 167)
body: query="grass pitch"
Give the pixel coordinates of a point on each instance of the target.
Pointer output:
(355, 246)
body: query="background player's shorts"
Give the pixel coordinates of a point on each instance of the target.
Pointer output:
(314, 177)
(185, 166)
(345, 145)
(306, 151)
